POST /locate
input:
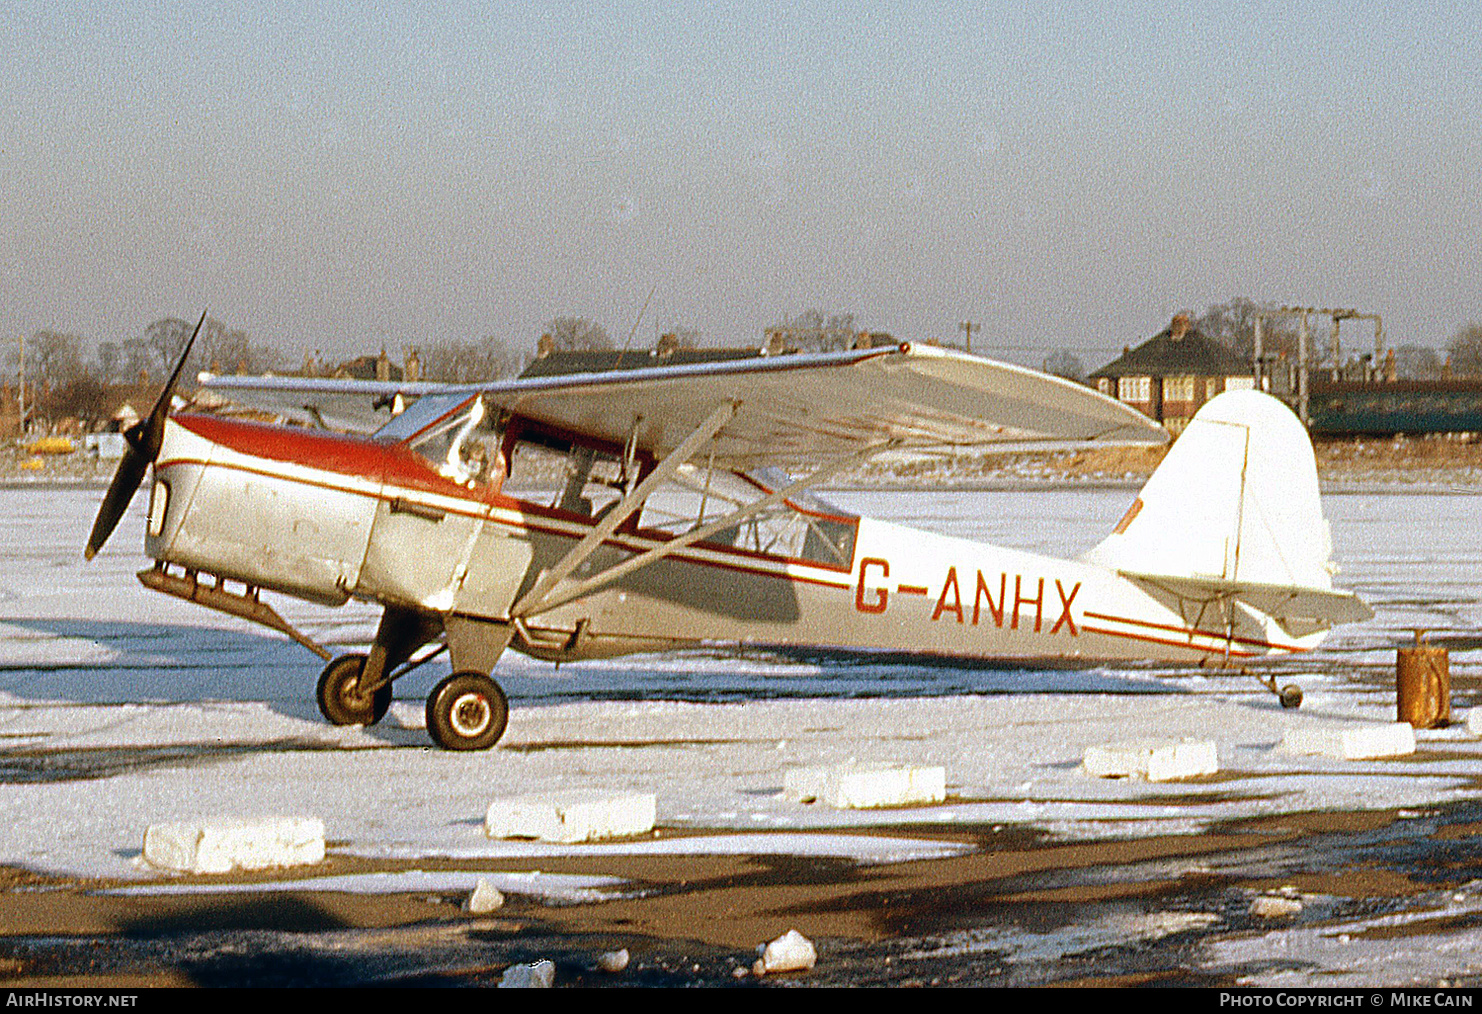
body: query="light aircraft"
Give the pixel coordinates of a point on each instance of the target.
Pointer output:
(597, 514)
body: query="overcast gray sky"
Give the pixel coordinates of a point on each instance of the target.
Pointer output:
(342, 176)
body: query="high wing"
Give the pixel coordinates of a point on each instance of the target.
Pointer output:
(359, 406)
(788, 409)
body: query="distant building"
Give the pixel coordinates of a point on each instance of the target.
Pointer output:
(369, 368)
(1169, 376)
(1383, 407)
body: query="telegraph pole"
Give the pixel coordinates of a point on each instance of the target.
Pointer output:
(969, 327)
(23, 386)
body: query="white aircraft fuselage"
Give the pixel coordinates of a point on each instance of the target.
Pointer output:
(327, 517)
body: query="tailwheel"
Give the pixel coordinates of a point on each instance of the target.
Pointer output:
(467, 711)
(340, 699)
(1290, 695)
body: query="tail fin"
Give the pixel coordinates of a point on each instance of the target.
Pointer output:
(1234, 510)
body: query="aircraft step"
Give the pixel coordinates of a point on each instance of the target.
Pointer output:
(192, 587)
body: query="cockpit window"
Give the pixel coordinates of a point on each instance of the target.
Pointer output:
(569, 477)
(463, 446)
(802, 527)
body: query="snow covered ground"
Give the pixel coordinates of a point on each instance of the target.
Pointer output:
(120, 708)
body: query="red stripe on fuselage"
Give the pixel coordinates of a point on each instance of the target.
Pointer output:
(402, 468)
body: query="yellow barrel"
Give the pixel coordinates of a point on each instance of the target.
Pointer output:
(1423, 678)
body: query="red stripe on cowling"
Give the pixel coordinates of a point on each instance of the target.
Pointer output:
(331, 452)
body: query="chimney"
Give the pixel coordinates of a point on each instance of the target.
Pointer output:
(1179, 326)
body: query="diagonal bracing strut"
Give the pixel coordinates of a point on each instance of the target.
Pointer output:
(625, 507)
(530, 605)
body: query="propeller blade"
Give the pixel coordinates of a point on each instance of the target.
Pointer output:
(126, 480)
(144, 439)
(152, 427)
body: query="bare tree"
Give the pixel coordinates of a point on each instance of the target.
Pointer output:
(576, 334)
(109, 360)
(136, 360)
(53, 358)
(1234, 323)
(1417, 362)
(225, 349)
(1063, 363)
(220, 348)
(465, 362)
(815, 331)
(1466, 350)
(165, 338)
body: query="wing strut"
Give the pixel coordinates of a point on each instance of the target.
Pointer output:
(530, 605)
(625, 507)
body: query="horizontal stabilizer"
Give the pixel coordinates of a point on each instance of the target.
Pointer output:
(1283, 602)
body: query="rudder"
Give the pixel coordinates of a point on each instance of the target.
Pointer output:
(1235, 500)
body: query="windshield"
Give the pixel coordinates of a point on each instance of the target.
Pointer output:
(462, 445)
(419, 415)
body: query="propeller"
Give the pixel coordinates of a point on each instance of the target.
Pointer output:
(143, 440)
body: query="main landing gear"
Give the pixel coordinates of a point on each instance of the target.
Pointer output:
(465, 711)
(340, 698)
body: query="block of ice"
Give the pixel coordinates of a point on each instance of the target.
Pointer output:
(223, 844)
(571, 817)
(791, 952)
(539, 975)
(1155, 760)
(484, 898)
(852, 787)
(1359, 742)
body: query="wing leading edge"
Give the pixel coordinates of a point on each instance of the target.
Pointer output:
(790, 409)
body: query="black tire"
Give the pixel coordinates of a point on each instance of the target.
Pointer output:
(1291, 696)
(339, 697)
(467, 711)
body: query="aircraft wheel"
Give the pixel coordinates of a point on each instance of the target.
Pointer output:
(467, 711)
(1291, 696)
(340, 700)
